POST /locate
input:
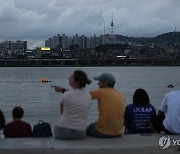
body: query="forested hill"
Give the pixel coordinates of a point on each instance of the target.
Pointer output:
(171, 37)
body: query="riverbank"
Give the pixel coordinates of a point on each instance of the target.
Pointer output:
(135, 144)
(87, 62)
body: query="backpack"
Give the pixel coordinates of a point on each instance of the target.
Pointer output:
(42, 129)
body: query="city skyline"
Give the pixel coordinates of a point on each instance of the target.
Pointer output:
(36, 21)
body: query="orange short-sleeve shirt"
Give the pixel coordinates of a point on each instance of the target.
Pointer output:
(111, 105)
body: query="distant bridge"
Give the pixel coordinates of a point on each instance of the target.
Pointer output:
(87, 62)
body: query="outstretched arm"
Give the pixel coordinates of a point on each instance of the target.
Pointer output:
(59, 89)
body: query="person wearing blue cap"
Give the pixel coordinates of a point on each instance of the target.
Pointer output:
(111, 105)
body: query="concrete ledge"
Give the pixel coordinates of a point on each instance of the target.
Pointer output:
(135, 144)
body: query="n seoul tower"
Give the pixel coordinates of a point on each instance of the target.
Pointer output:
(112, 24)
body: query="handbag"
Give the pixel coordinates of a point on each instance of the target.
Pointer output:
(42, 129)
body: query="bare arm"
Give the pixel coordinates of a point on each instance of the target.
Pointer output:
(160, 113)
(59, 89)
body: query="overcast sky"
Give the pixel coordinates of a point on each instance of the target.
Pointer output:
(37, 20)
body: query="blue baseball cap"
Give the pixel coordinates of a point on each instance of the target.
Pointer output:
(107, 77)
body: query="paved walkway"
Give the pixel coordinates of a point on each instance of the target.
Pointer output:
(136, 144)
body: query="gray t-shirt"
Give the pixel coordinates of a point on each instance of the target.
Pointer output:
(77, 104)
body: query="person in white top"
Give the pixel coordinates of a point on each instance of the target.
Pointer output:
(75, 106)
(168, 119)
(2, 124)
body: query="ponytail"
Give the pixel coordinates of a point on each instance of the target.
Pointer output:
(81, 78)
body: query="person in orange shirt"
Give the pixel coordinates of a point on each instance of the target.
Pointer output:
(111, 105)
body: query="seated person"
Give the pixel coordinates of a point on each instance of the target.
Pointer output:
(138, 114)
(168, 118)
(111, 106)
(17, 128)
(2, 124)
(2, 120)
(75, 106)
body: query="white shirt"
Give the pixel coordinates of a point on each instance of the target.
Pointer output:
(77, 104)
(1, 134)
(170, 105)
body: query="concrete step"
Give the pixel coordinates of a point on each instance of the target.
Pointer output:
(136, 144)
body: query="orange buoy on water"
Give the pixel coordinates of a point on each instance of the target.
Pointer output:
(45, 80)
(170, 86)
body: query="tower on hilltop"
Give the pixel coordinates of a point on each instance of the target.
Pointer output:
(112, 24)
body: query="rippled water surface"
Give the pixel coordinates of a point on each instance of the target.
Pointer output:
(22, 86)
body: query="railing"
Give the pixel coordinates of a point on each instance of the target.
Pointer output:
(88, 62)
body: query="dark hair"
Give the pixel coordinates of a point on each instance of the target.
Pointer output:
(81, 78)
(2, 120)
(18, 112)
(110, 85)
(140, 97)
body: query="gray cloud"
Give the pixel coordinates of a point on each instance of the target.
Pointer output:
(36, 21)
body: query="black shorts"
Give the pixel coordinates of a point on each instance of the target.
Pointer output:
(157, 122)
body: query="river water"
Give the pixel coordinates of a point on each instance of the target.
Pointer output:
(22, 86)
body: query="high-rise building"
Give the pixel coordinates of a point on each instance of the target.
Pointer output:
(75, 40)
(82, 41)
(13, 47)
(47, 43)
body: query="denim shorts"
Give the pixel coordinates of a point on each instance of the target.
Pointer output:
(68, 134)
(92, 131)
